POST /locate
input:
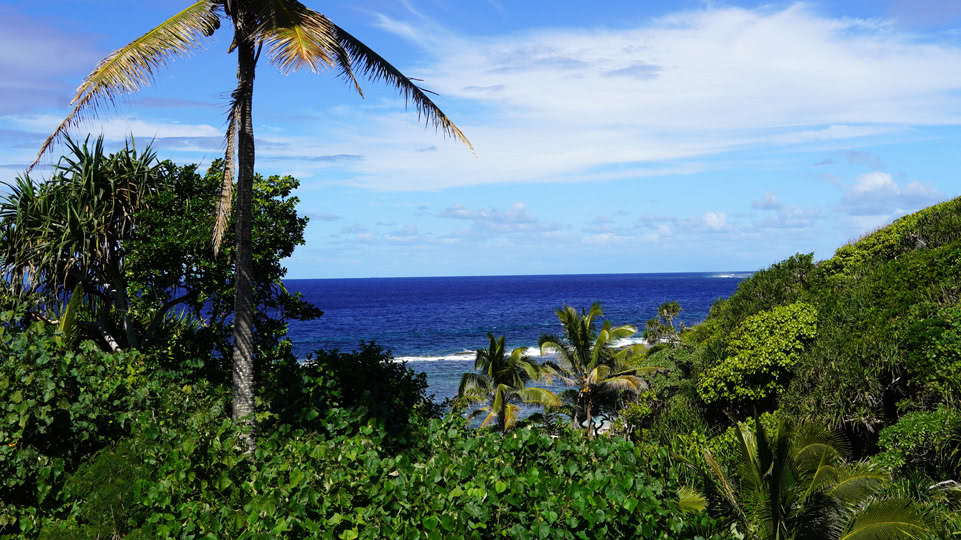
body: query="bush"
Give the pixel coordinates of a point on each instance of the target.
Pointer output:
(923, 441)
(761, 352)
(932, 227)
(368, 381)
(57, 406)
(465, 484)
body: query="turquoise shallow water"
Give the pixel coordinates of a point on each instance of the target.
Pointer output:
(436, 323)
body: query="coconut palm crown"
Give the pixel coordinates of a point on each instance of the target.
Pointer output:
(294, 38)
(500, 383)
(589, 361)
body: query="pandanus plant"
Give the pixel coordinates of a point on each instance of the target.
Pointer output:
(295, 38)
(499, 382)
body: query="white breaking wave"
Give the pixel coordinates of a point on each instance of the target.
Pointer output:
(627, 342)
(739, 275)
(534, 352)
(458, 356)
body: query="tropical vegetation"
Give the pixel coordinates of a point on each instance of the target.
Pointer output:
(819, 401)
(589, 360)
(500, 382)
(296, 38)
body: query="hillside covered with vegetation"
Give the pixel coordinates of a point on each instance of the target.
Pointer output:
(821, 400)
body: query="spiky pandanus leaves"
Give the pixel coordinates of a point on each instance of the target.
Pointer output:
(132, 67)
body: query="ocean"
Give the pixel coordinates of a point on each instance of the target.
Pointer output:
(436, 324)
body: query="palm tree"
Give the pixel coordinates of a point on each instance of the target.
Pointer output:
(501, 381)
(794, 484)
(295, 38)
(589, 361)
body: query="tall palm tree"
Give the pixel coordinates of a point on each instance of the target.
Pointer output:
(295, 38)
(794, 484)
(589, 361)
(500, 381)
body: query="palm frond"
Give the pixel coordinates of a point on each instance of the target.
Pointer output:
(296, 37)
(376, 68)
(511, 414)
(67, 326)
(131, 67)
(539, 396)
(227, 188)
(621, 383)
(857, 482)
(691, 500)
(812, 441)
(491, 416)
(725, 486)
(887, 519)
(473, 384)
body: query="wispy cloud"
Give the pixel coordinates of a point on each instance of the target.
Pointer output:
(879, 194)
(673, 91)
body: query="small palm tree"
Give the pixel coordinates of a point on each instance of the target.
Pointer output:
(500, 382)
(795, 484)
(589, 361)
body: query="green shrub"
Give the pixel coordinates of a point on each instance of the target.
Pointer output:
(931, 227)
(462, 484)
(875, 344)
(782, 283)
(923, 441)
(761, 352)
(57, 406)
(935, 354)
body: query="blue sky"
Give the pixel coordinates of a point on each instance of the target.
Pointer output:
(611, 137)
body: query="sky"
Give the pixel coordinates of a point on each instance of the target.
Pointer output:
(611, 137)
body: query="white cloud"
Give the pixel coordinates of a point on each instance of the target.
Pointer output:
(768, 202)
(715, 221)
(494, 222)
(792, 217)
(878, 194)
(120, 128)
(599, 103)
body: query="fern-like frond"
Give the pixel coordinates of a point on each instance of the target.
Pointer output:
(691, 500)
(376, 68)
(857, 482)
(539, 396)
(131, 68)
(887, 519)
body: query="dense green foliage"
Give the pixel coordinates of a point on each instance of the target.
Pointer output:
(867, 343)
(761, 351)
(115, 408)
(160, 459)
(794, 483)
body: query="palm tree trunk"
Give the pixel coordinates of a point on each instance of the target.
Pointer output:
(243, 351)
(590, 421)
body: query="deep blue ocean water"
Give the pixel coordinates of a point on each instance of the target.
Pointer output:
(437, 323)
